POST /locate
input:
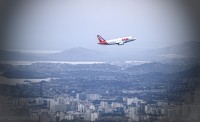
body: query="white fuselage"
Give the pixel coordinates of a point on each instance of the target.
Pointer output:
(120, 41)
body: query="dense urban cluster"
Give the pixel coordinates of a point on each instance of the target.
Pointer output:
(101, 93)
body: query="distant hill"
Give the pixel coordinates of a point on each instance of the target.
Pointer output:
(78, 54)
(188, 49)
(193, 72)
(184, 50)
(190, 73)
(73, 54)
(154, 67)
(6, 55)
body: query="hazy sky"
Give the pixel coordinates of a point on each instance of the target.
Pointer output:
(64, 24)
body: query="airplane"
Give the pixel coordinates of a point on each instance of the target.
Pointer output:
(119, 41)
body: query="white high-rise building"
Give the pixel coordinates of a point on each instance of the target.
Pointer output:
(53, 104)
(61, 100)
(95, 96)
(62, 116)
(39, 101)
(81, 108)
(69, 117)
(103, 104)
(45, 119)
(87, 115)
(133, 100)
(94, 116)
(92, 107)
(116, 105)
(34, 116)
(133, 113)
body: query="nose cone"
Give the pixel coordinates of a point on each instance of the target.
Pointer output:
(132, 38)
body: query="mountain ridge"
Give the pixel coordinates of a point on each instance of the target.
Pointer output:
(182, 50)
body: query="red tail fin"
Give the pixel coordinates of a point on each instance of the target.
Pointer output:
(101, 39)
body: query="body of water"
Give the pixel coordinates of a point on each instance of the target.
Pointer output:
(14, 81)
(62, 62)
